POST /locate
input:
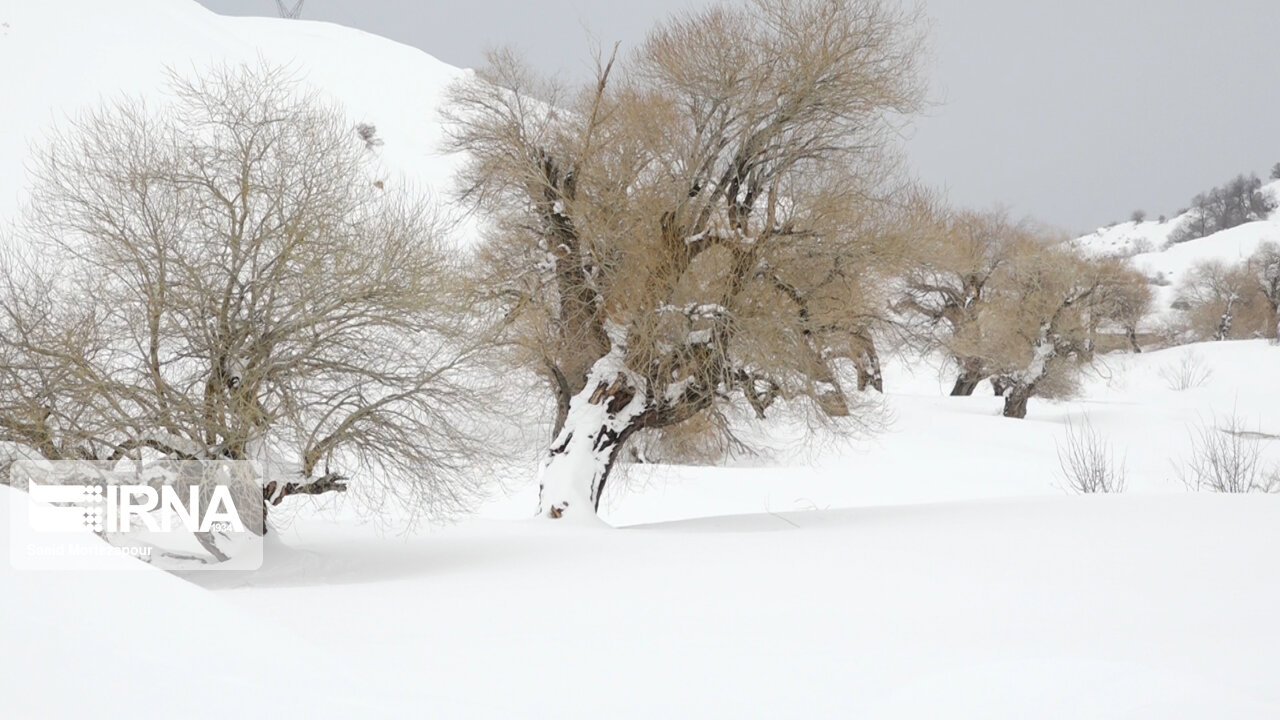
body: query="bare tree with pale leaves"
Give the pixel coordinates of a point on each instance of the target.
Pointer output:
(1034, 332)
(695, 226)
(1219, 301)
(949, 282)
(219, 278)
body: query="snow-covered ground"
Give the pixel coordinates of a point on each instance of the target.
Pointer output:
(936, 569)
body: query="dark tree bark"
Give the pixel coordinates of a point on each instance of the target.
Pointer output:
(1132, 334)
(1015, 402)
(965, 385)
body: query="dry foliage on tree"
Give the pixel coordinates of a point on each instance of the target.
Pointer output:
(1224, 301)
(220, 278)
(1011, 303)
(1038, 327)
(696, 226)
(1121, 303)
(948, 283)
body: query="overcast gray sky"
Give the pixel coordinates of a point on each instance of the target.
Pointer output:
(1075, 113)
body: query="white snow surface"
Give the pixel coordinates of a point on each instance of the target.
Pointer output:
(935, 570)
(59, 58)
(1127, 238)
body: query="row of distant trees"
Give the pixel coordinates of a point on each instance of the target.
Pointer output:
(1016, 306)
(716, 228)
(1219, 300)
(1234, 203)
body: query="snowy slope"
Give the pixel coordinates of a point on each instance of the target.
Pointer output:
(1126, 238)
(1166, 264)
(60, 57)
(1150, 238)
(837, 587)
(127, 640)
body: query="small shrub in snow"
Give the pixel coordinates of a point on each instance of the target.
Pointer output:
(1138, 216)
(1188, 373)
(1226, 457)
(1087, 463)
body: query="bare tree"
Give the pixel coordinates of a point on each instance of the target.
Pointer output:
(1239, 201)
(1264, 269)
(219, 278)
(1123, 301)
(949, 283)
(692, 227)
(1220, 301)
(1033, 332)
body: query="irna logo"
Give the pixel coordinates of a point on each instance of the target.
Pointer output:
(114, 508)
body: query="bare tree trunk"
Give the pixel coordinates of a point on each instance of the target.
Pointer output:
(1132, 334)
(965, 385)
(1000, 385)
(1224, 322)
(868, 365)
(1015, 401)
(760, 400)
(970, 375)
(600, 420)
(830, 395)
(1018, 387)
(827, 390)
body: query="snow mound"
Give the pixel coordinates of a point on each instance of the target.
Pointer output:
(74, 53)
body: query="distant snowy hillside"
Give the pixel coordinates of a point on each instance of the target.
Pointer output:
(59, 57)
(1146, 245)
(1149, 237)
(1126, 238)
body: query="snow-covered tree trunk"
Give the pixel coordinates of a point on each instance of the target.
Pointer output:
(1227, 318)
(600, 419)
(868, 365)
(1022, 384)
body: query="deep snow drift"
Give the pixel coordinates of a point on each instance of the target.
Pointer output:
(934, 570)
(876, 601)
